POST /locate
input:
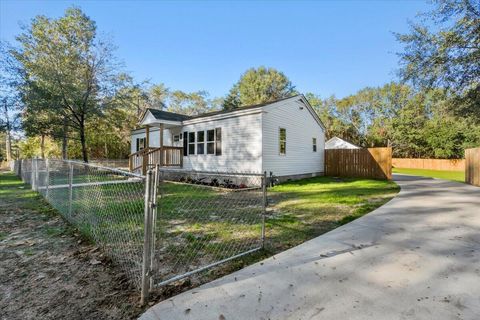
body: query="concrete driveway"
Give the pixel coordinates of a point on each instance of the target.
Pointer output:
(417, 257)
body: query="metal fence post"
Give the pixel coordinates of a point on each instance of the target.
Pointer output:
(37, 174)
(70, 189)
(32, 174)
(147, 241)
(47, 178)
(153, 217)
(264, 205)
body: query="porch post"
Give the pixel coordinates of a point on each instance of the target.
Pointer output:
(162, 153)
(147, 138)
(145, 151)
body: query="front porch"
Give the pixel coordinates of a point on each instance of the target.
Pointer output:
(166, 156)
(151, 154)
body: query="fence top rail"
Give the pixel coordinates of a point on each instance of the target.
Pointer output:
(136, 175)
(217, 173)
(77, 162)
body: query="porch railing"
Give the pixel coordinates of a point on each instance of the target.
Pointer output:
(147, 158)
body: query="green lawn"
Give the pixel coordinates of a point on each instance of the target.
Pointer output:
(198, 225)
(307, 208)
(439, 174)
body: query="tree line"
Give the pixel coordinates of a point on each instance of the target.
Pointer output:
(62, 85)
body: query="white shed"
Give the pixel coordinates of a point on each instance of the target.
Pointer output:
(337, 143)
(285, 137)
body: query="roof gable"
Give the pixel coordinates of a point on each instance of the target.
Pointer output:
(152, 115)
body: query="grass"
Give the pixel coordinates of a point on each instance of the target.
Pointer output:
(439, 174)
(310, 207)
(197, 225)
(13, 190)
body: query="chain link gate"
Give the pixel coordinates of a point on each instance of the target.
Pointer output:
(158, 228)
(200, 220)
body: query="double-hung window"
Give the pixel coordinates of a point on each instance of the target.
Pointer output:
(203, 142)
(282, 137)
(191, 143)
(211, 141)
(314, 143)
(200, 142)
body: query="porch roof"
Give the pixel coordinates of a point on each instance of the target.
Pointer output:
(153, 117)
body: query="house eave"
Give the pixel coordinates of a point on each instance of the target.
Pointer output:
(233, 114)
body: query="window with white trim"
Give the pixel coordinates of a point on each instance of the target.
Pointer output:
(200, 142)
(314, 143)
(211, 141)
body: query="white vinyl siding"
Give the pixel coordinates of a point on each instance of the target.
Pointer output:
(154, 138)
(241, 145)
(301, 127)
(251, 142)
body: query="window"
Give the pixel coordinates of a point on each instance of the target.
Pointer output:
(314, 142)
(218, 141)
(283, 141)
(185, 144)
(211, 141)
(176, 138)
(140, 144)
(201, 142)
(191, 143)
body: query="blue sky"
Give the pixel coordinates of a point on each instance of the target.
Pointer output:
(323, 47)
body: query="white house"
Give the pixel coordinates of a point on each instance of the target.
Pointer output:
(285, 137)
(337, 143)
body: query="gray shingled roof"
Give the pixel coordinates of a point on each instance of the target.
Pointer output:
(171, 116)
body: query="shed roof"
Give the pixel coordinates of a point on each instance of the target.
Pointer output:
(337, 143)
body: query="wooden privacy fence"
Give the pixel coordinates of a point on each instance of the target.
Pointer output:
(472, 166)
(429, 164)
(375, 163)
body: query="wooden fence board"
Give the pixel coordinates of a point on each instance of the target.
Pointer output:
(373, 163)
(472, 166)
(429, 164)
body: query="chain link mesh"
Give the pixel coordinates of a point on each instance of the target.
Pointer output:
(200, 218)
(104, 204)
(204, 218)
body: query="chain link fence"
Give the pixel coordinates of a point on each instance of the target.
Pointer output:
(105, 205)
(204, 219)
(157, 228)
